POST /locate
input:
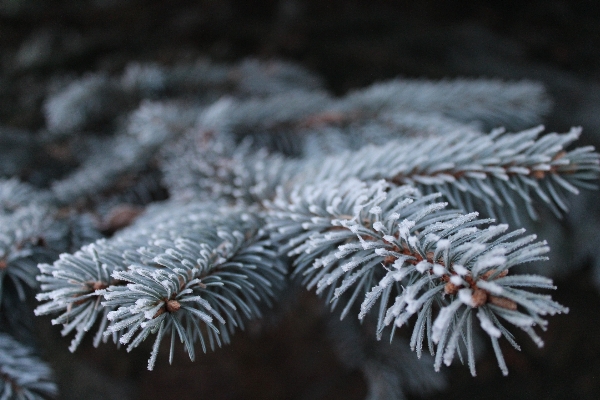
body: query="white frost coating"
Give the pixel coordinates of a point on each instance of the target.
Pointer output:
(443, 244)
(491, 287)
(492, 259)
(349, 224)
(439, 270)
(393, 216)
(389, 239)
(368, 245)
(385, 281)
(461, 270)
(412, 241)
(378, 226)
(432, 237)
(395, 310)
(409, 297)
(375, 210)
(347, 247)
(423, 266)
(404, 228)
(466, 297)
(399, 263)
(487, 325)
(474, 248)
(457, 280)
(399, 275)
(350, 265)
(443, 319)
(383, 252)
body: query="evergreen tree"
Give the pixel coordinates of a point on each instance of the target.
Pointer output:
(194, 196)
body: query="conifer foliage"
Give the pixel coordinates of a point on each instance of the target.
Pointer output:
(193, 195)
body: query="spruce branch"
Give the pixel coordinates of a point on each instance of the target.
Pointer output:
(380, 243)
(95, 99)
(211, 167)
(289, 122)
(486, 172)
(69, 286)
(180, 269)
(25, 218)
(23, 375)
(211, 80)
(90, 100)
(352, 191)
(491, 102)
(148, 128)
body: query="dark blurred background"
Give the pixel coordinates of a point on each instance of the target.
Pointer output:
(350, 43)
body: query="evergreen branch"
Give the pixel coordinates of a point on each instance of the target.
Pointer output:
(216, 282)
(363, 228)
(394, 243)
(69, 286)
(23, 375)
(148, 128)
(491, 172)
(21, 235)
(192, 265)
(289, 122)
(93, 99)
(203, 166)
(490, 101)
(248, 78)
(15, 194)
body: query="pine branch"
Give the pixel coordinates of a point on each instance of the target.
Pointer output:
(261, 141)
(381, 112)
(211, 80)
(209, 167)
(69, 285)
(23, 375)
(149, 127)
(93, 99)
(493, 103)
(497, 173)
(96, 99)
(24, 220)
(379, 243)
(486, 172)
(192, 266)
(217, 283)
